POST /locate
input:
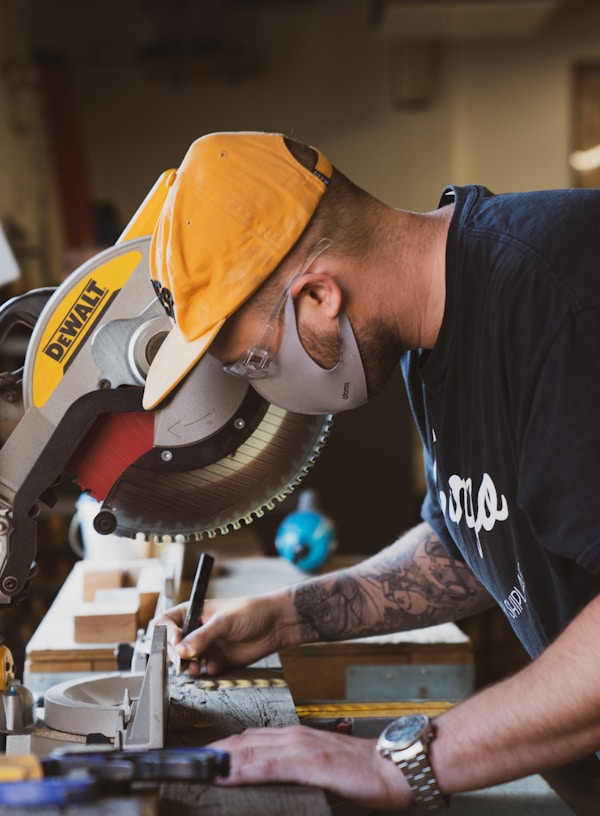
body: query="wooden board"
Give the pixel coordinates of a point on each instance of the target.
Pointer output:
(198, 714)
(200, 711)
(66, 639)
(108, 621)
(314, 671)
(95, 579)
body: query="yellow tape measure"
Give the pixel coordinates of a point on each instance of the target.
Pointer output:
(221, 684)
(371, 709)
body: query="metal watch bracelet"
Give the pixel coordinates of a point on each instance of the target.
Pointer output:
(423, 784)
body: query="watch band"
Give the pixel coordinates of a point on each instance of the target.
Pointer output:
(406, 742)
(422, 782)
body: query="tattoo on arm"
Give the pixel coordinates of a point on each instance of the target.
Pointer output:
(413, 583)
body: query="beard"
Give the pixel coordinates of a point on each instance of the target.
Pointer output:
(379, 348)
(380, 351)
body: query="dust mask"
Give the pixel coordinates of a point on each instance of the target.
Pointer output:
(299, 384)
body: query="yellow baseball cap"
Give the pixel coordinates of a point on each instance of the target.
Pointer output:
(236, 206)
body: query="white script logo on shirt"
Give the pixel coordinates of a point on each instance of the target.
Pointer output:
(480, 511)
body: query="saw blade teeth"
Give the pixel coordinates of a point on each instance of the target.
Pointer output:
(233, 490)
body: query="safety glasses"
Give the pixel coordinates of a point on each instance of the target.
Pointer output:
(254, 363)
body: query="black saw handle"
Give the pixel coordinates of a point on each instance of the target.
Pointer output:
(24, 309)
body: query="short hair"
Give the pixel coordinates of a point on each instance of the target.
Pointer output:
(346, 214)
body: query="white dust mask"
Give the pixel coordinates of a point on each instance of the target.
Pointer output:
(299, 384)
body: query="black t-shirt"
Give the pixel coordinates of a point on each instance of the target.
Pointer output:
(508, 402)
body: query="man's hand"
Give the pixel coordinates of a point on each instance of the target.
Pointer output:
(235, 632)
(346, 766)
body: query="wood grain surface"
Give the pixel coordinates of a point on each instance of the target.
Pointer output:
(203, 710)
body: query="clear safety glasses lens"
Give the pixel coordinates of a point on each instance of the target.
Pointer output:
(254, 363)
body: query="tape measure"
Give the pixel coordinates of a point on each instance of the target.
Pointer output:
(370, 709)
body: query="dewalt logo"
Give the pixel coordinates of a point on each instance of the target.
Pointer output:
(87, 304)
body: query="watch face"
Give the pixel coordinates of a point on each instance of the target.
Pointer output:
(403, 732)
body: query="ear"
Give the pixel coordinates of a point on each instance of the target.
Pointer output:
(318, 292)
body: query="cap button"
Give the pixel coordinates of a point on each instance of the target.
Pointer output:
(171, 178)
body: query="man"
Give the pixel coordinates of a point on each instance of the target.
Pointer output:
(272, 261)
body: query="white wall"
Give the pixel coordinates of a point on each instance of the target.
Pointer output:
(501, 116)
(512, 103)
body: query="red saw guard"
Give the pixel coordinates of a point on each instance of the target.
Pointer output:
(113, 443)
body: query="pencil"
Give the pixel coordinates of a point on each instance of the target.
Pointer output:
(193, 618)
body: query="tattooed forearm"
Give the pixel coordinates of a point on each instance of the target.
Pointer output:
(411, 584)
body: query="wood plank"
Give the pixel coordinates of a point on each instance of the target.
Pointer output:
(109, 622)
(198, 714)
(50, 664)
(54, 641)
(258, 800)
(148, 583)
(201, 710)
(80, 651)
(94, 579)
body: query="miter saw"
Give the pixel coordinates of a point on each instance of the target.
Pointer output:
(210, 457)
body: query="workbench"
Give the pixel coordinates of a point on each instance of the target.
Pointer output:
(433, 663)
(202, 710)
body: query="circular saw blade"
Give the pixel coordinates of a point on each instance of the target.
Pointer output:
(221, 495)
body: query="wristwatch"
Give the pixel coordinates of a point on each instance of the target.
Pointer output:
(406, 742)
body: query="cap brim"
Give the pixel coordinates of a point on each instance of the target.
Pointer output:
(174, 359)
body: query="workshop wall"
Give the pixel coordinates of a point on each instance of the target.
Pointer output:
(499, 112)
(27, 211)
